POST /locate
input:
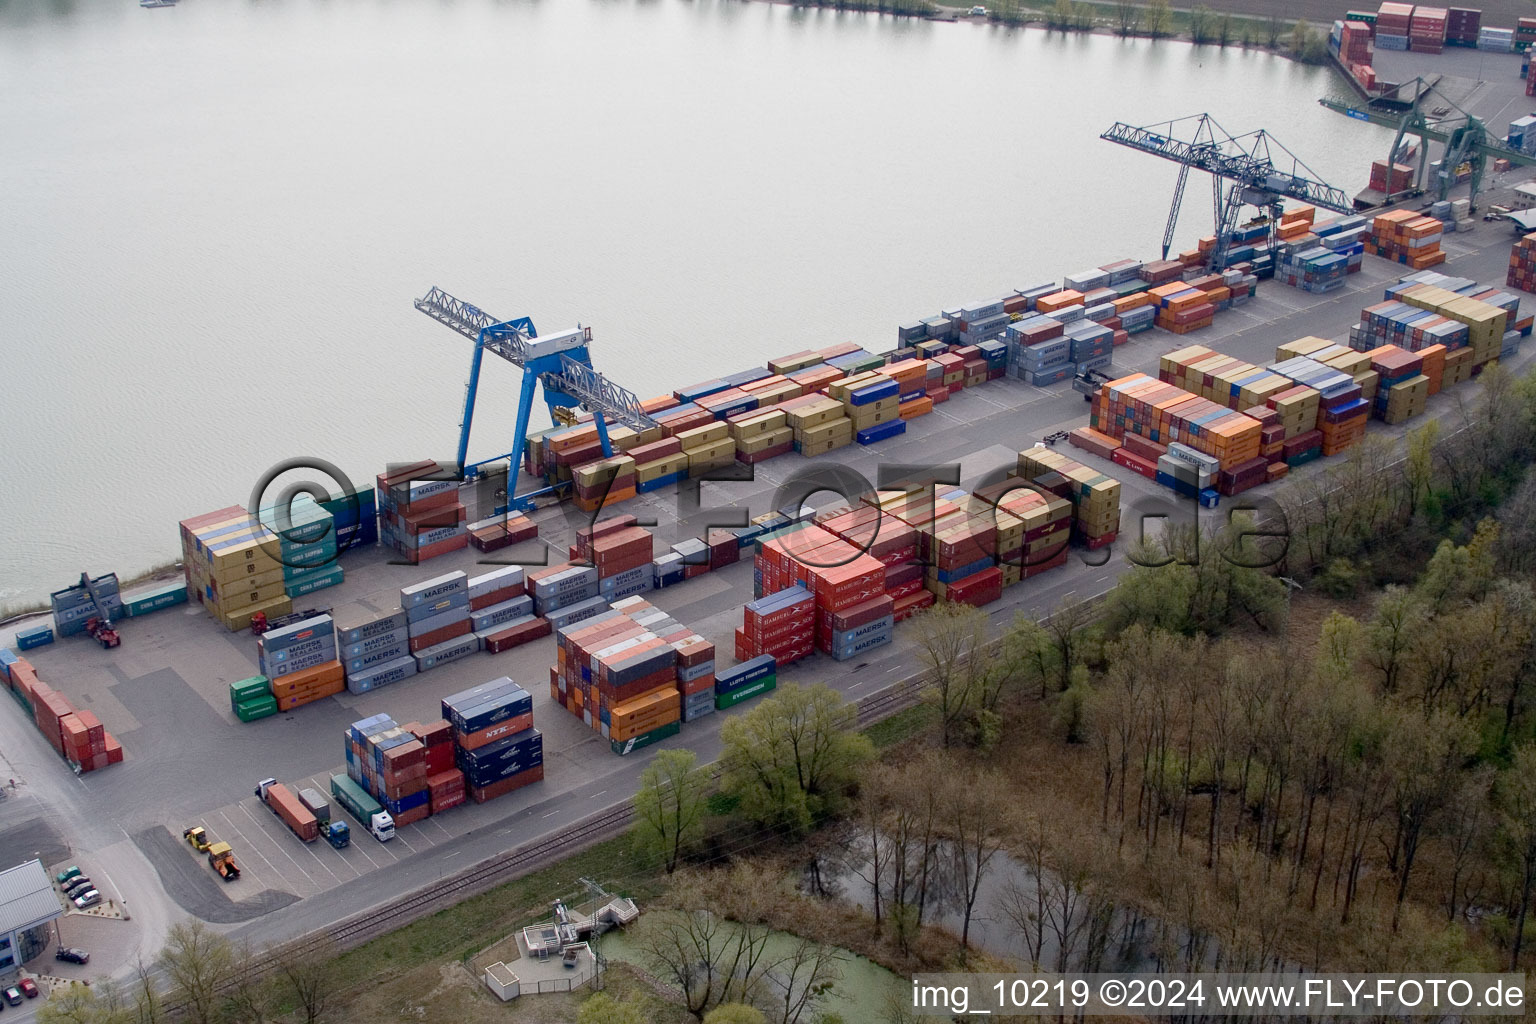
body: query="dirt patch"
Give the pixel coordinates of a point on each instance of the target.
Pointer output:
(196, 889)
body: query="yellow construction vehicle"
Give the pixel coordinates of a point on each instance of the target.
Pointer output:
(222, 860)
(197, 837)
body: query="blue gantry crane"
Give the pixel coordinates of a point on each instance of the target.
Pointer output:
(561, 363)
(1261, 171)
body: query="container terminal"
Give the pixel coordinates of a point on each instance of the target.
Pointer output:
(464, 669)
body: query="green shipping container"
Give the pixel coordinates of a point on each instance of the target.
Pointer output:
(730, 700)
(260, 707)
(249, 689)
(310, 582)
(145, 601)
(645, 739)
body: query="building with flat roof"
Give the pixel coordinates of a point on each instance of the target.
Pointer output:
(28, 906)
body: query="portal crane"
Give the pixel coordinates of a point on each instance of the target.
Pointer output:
(561, 363)
(1466, 138)
(1261, 172)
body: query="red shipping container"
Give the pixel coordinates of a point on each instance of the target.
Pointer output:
(481, 794)
(496, 597)
(114, 749)
(978, 589)
(491, 733)
(431, 551)
(441, 635)
(697, 685)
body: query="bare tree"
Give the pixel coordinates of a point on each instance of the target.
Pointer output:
(247, 998)
(310, 976)
(804, 975)
(1516, 795)
(1127, 17)
(198, 961)
(978, 815)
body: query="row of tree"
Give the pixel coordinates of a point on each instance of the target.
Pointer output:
(201, 977)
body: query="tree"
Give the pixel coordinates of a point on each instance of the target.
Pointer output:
(669, 806)
(794, 758)
(1159, 18)
(689, 943)
(1272, 30)
(1425, 755)
(1072, 707)
(1062, 15)
(1127, 17)
(79, 1004)
(1200, 24)
(601, 1008)
(1390, 634)
(1224, 28)
(1515, 795)
(197, 961)
(735, 1013)
(979, 819)
(310, 977)
(802, 977)
(1068, 629)
(1419, 466)
(952, 646)
(246, 998)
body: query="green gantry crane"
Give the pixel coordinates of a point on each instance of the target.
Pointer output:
(1466, 138)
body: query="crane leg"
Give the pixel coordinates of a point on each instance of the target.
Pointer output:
(469, 400)
(602, 433)
(519, 440)
(1173, 211)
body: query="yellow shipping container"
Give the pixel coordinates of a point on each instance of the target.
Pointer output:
(699, 437)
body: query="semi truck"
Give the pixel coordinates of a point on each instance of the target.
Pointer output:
(368, 812)
(288, 808)
(337, 833)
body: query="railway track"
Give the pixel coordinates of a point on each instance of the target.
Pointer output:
(509, 865)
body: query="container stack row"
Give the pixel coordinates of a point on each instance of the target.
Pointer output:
(843, 587)
(1138, 404)
(633, 674)
(76, 736)
(1391, 178)
(1094, 499)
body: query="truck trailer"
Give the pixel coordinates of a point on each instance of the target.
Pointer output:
(288, 807)
(368, 811)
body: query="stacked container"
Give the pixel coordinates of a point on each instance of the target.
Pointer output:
(1522, 264)
(1407, 237)
(439, 627)
(1426, 30)
(495, 745)
(420, 517)
(74, 735)
(445, 782)
(307, 547)
(1394, 23)
(1525, 34)
(761, 434)
(1404, 389)
(375, 650)
(603, 481)
(1181, 308)
(1160, 412)
(301, 661)
(872, 403)
(153, 598)
(1342, 411)
(252, 699)
(501, 531)
(1390, 178)
(818, 424)
(1094, 498)
(782, 624)
(1463, 26)
(566, 594)
(231, 566)
(1496, 40)
(73, 607)
(753, 677)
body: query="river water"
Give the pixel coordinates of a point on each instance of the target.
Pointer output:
(214, 217)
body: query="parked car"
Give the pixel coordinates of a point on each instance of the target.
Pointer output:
(72, 955)
(73, 871)
(29, 988)
(13, 995)
(87, 899)
(76, 886)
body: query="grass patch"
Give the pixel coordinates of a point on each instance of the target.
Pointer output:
(460, 931)
(903, 725)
